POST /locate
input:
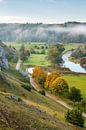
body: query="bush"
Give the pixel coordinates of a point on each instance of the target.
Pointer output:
(83, 105)
(75, 117)
(42, 92)
(27, 87)
(19, 100)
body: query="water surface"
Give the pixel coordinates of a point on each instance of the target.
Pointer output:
(71, 65)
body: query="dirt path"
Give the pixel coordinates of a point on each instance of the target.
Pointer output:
(18, 64)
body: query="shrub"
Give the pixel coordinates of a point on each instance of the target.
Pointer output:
(27, 87)
(19, 100)
(83, 104)
(42, 92)
(75, 117)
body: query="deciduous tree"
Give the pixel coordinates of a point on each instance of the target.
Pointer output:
(39, 76)
(50, 78)
(59, 85)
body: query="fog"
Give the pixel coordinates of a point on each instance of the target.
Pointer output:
(70, 30)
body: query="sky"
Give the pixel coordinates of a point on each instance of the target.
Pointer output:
(45, 11)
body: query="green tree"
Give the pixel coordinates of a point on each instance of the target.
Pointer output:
(55, 53)
(75, 117)
(75, 94)
(24, 53)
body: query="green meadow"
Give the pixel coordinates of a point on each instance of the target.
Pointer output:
(38, 60)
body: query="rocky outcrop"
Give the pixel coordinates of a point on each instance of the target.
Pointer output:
(3, 59)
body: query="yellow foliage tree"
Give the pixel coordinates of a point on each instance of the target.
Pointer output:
(59, 85)
(50, 78)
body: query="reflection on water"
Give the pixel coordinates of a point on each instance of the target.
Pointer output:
(71, 65)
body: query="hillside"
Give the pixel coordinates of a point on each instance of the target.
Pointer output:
(70, 32)
(10, 52)
(28, 110)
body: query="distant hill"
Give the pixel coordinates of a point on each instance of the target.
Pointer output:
(69, 32)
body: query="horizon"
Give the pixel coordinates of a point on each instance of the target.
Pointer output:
(44, 23)
(42, 11)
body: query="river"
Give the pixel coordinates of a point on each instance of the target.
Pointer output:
(71, 65)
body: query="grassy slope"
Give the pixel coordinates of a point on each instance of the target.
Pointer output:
(14, 114)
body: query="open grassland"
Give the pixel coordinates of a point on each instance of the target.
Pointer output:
(40, 113)
(38, 60)
(78, 81)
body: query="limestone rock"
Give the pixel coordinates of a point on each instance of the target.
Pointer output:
(3, 59)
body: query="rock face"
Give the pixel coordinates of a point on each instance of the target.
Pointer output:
(3, 59)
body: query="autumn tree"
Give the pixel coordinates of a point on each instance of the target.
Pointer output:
(59, 85)
(50, 78)
(39, 75)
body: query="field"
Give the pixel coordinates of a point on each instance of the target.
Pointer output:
(78, 81)
(38, 60)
